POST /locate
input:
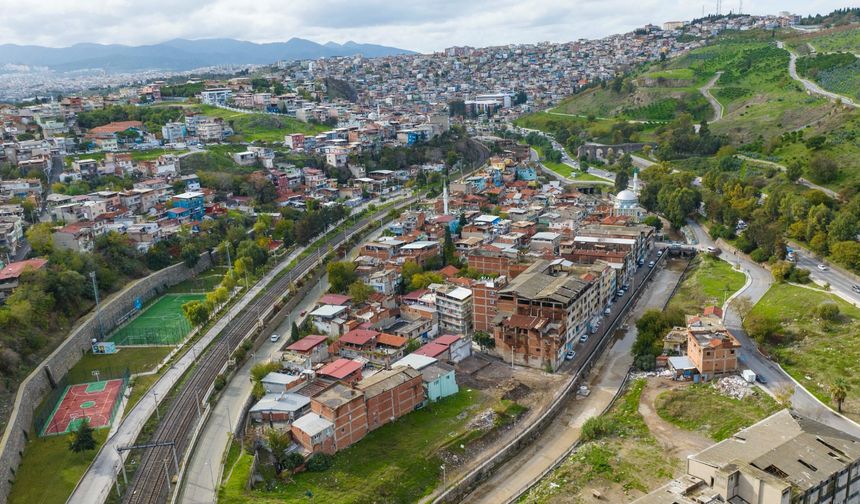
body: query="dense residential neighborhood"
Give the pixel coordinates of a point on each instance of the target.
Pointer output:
(621, 269)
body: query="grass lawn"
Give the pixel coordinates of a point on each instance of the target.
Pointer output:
(702, 408)
(202, 283)
(144, 155)
(265, 128)
(709, 281)
(136, 359)
(813, 351)
(623, 465)
(49, 471)
(395, 463)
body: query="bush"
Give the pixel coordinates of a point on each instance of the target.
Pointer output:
(759, 255)
(293, 460)
(319, 462)
(827, 311)
(798, 275)
(597, 427)
(744, 244)
(219, 383)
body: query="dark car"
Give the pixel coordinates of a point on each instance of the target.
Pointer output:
(761, 379)
(856, 288)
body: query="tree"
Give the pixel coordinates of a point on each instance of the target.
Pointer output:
(407, 271)
(360, 292)
(261, 369)
(847, 253)
(653, 221)
(762, 328)
(82, 438)
(839, 392)
(41, 238)
(448, 250)
(341, 275)
(780, 270)
(622, 178)
(279, 442)
(423, 280)
(827, 311)
(189, 255)
(793, 171)
(295, 334)
(822, 169)
(484, 340)
(196, 312)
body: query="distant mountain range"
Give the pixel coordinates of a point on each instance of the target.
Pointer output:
(181, 54)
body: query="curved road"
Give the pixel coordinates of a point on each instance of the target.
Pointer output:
(759, 281)
(810, 86)
(802, 181)
(706, 92)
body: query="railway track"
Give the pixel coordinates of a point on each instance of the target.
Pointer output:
(151, 482)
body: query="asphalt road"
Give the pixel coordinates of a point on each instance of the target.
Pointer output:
(840, 283)
(759, 281)
(715, 104)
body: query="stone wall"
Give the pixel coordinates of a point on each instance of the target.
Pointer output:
(43, 379)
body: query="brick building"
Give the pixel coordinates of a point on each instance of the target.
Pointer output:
(485, 294)
(344, 407)
(390, 394)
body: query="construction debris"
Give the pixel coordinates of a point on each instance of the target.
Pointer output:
(483, 421)
(733, 386)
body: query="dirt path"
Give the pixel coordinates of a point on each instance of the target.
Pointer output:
(706, 92)
(674, 440)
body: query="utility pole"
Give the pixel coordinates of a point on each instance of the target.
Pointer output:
(98, 306)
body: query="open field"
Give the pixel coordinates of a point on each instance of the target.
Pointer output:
(398, 462)
(136, 360)
(709, 281)
(623, 464)
(701, 408)
(202, 283)
(265, 128)
(49, 470)
(815, 352)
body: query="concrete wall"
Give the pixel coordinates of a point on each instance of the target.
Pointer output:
(43, 379)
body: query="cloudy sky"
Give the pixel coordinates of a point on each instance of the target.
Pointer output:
(423, 26)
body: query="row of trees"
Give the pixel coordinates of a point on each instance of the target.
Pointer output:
(150, 116)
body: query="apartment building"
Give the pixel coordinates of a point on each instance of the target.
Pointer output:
(390, 394)
(485, 294)
(454, 307)
(345, 408)
(712, 348)
(542, 313)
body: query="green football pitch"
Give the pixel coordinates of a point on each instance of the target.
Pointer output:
(161, 323)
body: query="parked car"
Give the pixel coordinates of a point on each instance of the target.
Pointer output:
(274, 337)
(822, 267)
(761, 379)
(619, 293)
(570, 355)
(607, 311)
(856, 288)
(583, 338)
(641, 262)
(714, 251)
(651, 264)
(659, 253)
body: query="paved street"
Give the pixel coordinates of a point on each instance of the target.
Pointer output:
(715, 104)
(759, 282)
(516, 475)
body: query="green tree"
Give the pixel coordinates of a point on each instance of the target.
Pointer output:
(839, 392)
(653, 221)
(622, 178)
(41, 238)
(423, 280)
(484, 340)
(822, 169)
(82, 439)
(847, 253)
(407, 271)
(189, 255)
(449, 252)
(295, 334)
(196, 312)
(762, 328)
(793, 171)
(360, 291)
(278, 441)
(341, 275)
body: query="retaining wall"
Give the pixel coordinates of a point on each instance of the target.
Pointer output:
(458, 490)
(43, 379)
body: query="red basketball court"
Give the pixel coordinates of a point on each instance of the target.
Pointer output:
(94, 401)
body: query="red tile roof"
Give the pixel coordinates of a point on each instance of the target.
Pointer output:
(116, 127)
(307, 343)
(449, 271)
(391, 340)
(358, 336)
(713, 310)
(14, 270)
(340, 368)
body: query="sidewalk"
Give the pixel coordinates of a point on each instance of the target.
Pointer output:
(516, 475)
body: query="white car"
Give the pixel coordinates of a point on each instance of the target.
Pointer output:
(822, 267)
(274, 338)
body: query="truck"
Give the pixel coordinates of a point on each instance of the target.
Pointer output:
(748, 375)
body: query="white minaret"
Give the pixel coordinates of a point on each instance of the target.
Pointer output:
(636, 181)
(445, 197)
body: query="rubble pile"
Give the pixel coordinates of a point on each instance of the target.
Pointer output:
(483, 421)
(733, 386)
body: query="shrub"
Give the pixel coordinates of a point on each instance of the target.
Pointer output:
(597, 427)
(319, 462)
(759, 255)
(219, 383)
(293, 460)
(827, 311)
